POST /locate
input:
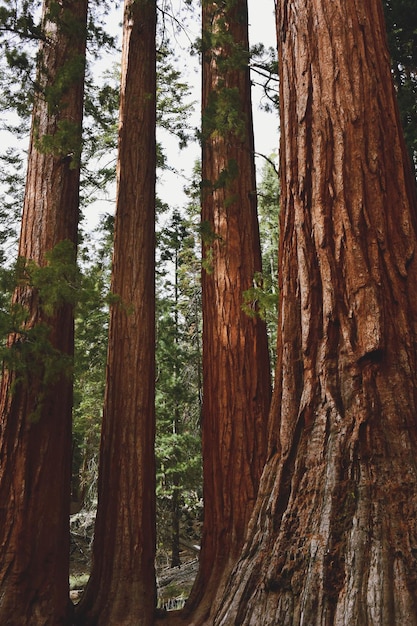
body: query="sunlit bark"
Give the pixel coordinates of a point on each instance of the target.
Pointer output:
(333, 539)
(236, 377)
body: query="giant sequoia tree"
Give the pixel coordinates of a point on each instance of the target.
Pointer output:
(121, 590)
(333, 538)
(36, 390)
(236, 380)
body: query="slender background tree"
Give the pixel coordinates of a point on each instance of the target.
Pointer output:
(178, 405)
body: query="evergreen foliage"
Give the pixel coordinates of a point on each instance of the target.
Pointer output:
(20, 33)
(91, 333)
(178, 389)
(12, 171)
(26, 347)
(401, 20)
(264, 73)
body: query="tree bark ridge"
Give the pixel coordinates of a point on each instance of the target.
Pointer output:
(236, 377)
(35, 426)
(333, 537)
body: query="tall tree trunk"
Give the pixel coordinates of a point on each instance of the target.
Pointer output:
(122, 589)
(333, 539)
(236, 376)
(35, 410)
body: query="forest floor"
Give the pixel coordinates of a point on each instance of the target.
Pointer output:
(173, 583)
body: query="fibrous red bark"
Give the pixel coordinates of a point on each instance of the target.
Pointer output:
(122, 589)
(333, 539)
(35, 452)
(236, 377)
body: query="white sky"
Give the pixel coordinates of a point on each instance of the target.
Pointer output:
(261, 30)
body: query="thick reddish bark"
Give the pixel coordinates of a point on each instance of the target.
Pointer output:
(122, 590)
(236, 377)
(333, 539)
(35, 468)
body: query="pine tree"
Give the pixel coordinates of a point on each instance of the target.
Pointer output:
(178, 383)
(91, 342)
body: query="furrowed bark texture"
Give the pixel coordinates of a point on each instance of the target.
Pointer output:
(333, 539)
(35, 454)
(122, 589)
(236, 378)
